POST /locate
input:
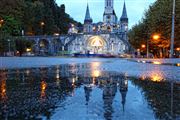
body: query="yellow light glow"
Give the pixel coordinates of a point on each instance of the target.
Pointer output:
(178, 64)
(178, 49)
(43, 86)
(96, 73)
(156, 75)
(73, 81)
(43, 89)
(143, 61)
(94, 28)
(156, 37)
(143, 77)
(157, 63)
(56, 34)
(143, 46)
(3, 89)
(42, 23)
(28, 50)
(96, 41)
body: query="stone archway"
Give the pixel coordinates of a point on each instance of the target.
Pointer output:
(56, 45)
(44, 46)
(96, 45)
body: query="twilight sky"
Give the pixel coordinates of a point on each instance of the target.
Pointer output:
(77, 9)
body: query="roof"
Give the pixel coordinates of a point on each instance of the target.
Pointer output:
(124, 13)
(87, 16)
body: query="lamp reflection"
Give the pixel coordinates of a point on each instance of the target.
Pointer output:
(3, 90)
(57, 75)
(156, 76)
(73, 81)
(157, 63)
(43, 89)
(96, 73)
(3, 87)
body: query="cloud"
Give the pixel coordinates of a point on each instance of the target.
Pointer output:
(77, 9)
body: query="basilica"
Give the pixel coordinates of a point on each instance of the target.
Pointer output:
(106, 37)
(110, 23)
(109, 36)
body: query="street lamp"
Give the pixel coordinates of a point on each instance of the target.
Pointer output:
(172, 33)
(156, 37)
(42, 27)
(1, 22)
(143, 46)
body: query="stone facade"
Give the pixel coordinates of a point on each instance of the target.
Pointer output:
(98, 44)
(80, 43)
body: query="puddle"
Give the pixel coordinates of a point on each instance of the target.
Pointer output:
(84, 92)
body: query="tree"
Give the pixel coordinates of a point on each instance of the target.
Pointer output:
(11, 26)
(157, 20)
(22, 44)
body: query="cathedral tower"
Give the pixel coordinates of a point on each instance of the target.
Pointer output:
(109, 13)
(124, 22)
(88, 27)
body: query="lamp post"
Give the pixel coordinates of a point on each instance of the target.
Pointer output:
(42, 27)
(147, 49)
(172, 33)
(9, 45)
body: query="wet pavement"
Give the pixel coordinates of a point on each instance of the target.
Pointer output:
(90, 91)
(155, 71)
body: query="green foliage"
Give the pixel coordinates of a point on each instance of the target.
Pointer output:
(22, 44)
(28, 14)
(157, 20)
(11, 26)
(4, 43)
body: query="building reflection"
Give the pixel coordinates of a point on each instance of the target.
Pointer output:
(54, 85)
(109, 92)
(123, 88)
(87, 90)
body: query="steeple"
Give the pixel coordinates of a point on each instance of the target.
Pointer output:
(124, 13)
(87, 19)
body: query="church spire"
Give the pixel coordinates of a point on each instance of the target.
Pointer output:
(124, 13)
(87, 16)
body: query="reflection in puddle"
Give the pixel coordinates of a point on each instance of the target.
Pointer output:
(155, 75)
(82, 91)
(43, 89)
